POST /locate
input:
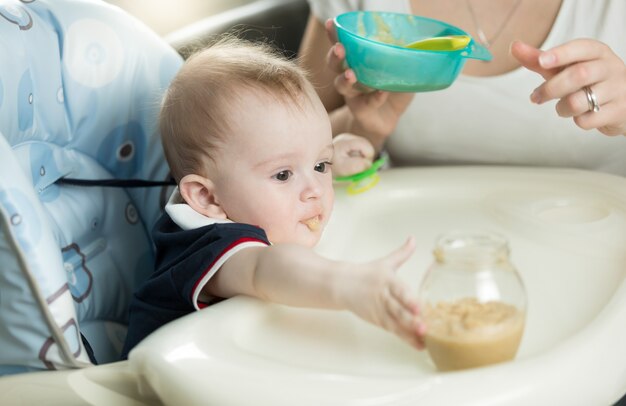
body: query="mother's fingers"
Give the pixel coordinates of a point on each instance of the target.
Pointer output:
(344, 84)
(336, 57)
(330, 30)
(569, 80)
(347, 85)
(577, 103)
(609, 120)
(571, 52)
(528, 57)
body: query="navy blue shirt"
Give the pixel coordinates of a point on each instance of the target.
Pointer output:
(185, 261)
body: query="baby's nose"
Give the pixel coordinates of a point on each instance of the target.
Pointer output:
(312, 189)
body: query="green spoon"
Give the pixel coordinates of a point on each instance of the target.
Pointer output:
(445, 43)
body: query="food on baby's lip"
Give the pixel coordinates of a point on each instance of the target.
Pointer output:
(467, 333)
(313, 223)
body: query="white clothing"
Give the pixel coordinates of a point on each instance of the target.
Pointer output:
(184, 216)
(490, 120)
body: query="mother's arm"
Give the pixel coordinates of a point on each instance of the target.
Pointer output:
(352, 107)
(313, 55)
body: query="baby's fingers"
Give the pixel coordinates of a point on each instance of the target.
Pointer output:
(353, 146)
(398, 293)
(401, 255)
(402, 312)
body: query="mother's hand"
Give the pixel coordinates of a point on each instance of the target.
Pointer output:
(374, 113)
(567, 69)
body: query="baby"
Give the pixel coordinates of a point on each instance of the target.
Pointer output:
(250, 146)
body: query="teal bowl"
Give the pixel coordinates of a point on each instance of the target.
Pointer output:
(375, 52)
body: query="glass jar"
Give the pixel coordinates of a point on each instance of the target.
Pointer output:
(473, 301)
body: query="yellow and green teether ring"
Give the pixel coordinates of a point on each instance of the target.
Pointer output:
(363, 181)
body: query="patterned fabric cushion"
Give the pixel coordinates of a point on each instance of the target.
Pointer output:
(80, 86)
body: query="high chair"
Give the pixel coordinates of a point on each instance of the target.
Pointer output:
(80, 85)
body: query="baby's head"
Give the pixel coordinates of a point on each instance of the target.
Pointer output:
(247, 139)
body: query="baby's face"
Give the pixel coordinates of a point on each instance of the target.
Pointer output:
(274, 171)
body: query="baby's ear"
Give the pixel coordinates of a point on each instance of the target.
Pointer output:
(199, 193)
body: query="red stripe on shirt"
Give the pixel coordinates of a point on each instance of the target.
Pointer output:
(230, 247)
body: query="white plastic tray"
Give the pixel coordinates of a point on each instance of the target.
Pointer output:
(567, 233)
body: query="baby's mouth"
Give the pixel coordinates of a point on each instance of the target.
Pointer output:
(313, 223)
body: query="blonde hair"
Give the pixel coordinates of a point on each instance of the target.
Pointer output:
(209, 90)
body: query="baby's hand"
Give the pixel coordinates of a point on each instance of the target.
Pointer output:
(353, 154)
(377, 295)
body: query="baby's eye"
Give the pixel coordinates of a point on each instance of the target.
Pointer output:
(322, 167)
(283, 176)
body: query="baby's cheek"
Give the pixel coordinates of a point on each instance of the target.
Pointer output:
(329, 202)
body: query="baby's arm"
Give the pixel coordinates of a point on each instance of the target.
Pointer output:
(353, 154)
(297, 276)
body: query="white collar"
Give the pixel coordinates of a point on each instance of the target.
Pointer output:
(184, 216)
